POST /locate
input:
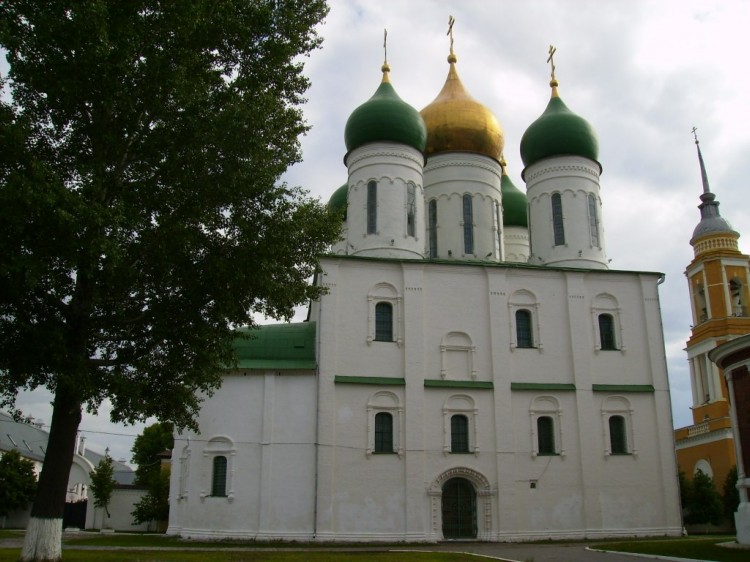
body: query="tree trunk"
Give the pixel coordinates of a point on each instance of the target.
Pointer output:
(43, 542)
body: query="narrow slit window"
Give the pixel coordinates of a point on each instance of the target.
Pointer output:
(383, 432)
(545, 435)
(607, 331)
(617, 437)
(432, 209)
(383, 321)
(524, 337)
(459, 434)
(468, 214)
(557, 220)
(219, 477)
(411, 209)
(372, 207)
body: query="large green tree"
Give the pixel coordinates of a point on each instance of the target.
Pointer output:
(17, 482)
(143, 216)
(155, 439)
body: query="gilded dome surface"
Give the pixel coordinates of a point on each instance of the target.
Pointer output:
(385, 117)
(515, 203)
(337, 202)
(558, 131)
(456, 122)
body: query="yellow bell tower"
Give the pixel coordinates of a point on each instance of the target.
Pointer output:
(718, 281)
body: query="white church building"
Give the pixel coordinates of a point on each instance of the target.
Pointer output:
(475, 370)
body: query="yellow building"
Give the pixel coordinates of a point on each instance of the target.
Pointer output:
(718, 282)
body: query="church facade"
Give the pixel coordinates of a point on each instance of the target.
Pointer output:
(475, 370)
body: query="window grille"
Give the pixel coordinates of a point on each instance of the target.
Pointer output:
(432, 209)
(383, 321)
(607, 331)
(524, 337)
(468, 224)
(459, 434)
(219, 478)
(593, 221)
(557, 220)
(372, 207)
(383, 432)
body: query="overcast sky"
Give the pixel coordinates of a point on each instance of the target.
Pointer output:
(643, 73)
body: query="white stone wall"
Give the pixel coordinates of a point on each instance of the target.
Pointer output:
(264, 423)
(120, 508)
(584, 491)
(574, 178)
(302, 464)
(393, 166)
(447, 178)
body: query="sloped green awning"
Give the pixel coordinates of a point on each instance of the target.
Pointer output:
(277, 346)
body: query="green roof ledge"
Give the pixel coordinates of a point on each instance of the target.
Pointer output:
(622, 387)
(277, 347)
(385, 381)
(541, 386)
(440, 383)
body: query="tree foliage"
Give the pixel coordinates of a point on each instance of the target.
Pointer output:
(731, 495)
(140, 196)
(103, 483)
(154, 506)
(704, 503)
(154, 439)
(17, 482)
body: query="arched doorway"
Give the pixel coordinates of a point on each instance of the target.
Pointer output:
(459, 507)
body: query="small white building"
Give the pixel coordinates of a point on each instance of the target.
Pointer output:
(475, 369)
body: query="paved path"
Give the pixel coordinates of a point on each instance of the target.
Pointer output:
(522, 552)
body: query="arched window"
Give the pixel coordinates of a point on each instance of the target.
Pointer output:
(468, 224)
(524, 334)
(383, 432)
(607, 331)
(557, 220)
(545, 432)
(411, 209)
(459, 434)
(432, 210)
(384, 321)
(593, 221)
(219, 477)
(372, 207)
(618, 440)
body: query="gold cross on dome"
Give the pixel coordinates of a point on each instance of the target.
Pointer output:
(451, 21)
(385, 46)
(551, 60)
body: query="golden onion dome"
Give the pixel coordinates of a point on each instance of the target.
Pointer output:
(456, 122)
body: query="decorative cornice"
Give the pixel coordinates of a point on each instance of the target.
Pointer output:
(497, 171)
(562, 168)
(384, 153)
(383, 381)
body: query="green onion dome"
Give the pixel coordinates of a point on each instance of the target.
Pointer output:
(337, 202)
(385, 117)
(515, 202)
(558, 132)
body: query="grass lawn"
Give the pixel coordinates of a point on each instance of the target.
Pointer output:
(694, 548)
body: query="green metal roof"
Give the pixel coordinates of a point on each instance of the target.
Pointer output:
(558, 131)
(337, 202)
(515, 204)
(277, 346)
(385, 117)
